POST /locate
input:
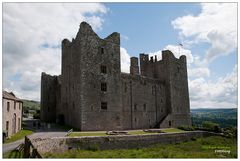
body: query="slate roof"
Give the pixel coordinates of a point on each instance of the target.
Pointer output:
(10, 95)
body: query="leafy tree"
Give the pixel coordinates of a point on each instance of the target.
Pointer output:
(211, 126)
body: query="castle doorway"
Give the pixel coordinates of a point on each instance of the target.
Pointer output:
(170, 123)
(61, 119)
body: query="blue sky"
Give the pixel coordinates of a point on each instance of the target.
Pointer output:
(32, 34)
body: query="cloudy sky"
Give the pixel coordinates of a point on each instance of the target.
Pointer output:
(32, 34)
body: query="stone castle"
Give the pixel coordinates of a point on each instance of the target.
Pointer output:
(93, 94)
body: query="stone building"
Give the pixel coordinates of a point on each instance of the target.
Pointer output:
(93, 94)
(12, 113)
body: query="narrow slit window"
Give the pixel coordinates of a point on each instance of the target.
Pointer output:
(144, 107)
(102, 50)
(135, 107)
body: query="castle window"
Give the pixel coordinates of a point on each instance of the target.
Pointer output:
(125, 87)
(153, 90)
(178, 69)
(103, 69)
(102, 50)
(104, 105)
(161, 100)
(8, 106)
(170, 123)
(144, 107)
(135, 107)
(14, 105)
(135, 119)
(19, 106)
(103, 86)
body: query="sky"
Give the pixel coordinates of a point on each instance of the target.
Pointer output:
(32, 35)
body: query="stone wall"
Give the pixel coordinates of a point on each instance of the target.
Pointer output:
(61, 144)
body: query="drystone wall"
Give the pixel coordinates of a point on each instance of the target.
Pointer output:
(61, 144)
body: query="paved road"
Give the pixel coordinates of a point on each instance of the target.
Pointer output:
(13, 145)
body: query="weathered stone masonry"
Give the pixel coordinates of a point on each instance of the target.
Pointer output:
(92, 94)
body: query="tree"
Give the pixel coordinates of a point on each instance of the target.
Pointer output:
(211, 126)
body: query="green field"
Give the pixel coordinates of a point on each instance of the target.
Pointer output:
(29, 104)
(132, 132)
(197, 148)
(19, 135)
(223, 117)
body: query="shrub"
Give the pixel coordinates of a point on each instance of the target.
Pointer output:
(186, 128)
(36, 116)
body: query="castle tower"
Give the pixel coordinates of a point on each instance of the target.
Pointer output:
(144, 61)
(134, 68)
(177, 95)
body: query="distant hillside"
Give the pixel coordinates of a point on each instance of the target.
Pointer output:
(30, 104)
(223, 117)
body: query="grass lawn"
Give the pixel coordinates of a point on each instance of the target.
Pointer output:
(197, 148)
(172, 130)
(132, 132)
(13, 154)
(19, 135)
(88, 134)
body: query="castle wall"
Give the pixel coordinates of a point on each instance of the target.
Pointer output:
(48, 98)
(143, 101)
(173, 72)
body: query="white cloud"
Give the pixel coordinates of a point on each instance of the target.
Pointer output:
(32, 34)
(198, 72)
(125, 60)
(216, 24)
(125, 37)
(219, 94)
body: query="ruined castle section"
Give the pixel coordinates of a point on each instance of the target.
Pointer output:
(48, 98)
(100, 80)
(174, 71)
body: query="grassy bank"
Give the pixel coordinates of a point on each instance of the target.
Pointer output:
(197, 148)
(19, 135)
(13, 154)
